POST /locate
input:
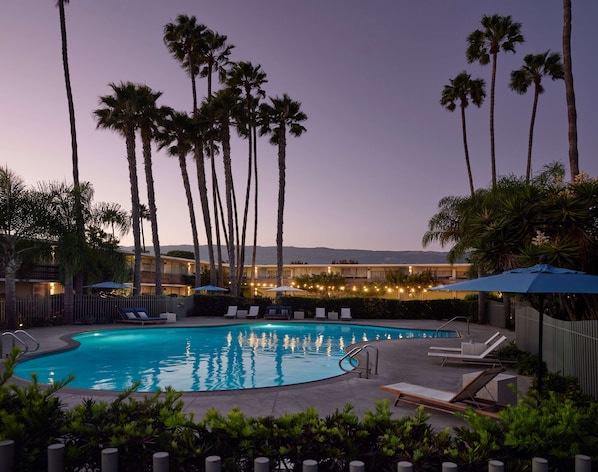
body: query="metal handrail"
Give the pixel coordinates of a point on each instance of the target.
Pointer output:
(15, 335)
(466, 318)
(356, 350)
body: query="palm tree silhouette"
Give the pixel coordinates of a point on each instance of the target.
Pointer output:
(499, 32)
(282, 115)
(535, 67)
(462, 89)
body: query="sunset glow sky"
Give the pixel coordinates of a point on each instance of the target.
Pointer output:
(379, 151)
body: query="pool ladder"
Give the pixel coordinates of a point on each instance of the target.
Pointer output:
(22, 337)
(464, 318)
(353, 353)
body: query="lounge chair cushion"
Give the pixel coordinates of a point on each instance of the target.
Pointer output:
(142, 314)
(130, 315)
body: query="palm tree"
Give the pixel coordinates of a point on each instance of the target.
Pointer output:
(462, 89)
(177, 135)
(113, 216)
(282, 115)
(71, 107)
(184, 39)
(570, 91)
(248, 79)
(149, 116)
(535, 67)
(221, 107)
(20, 225)
(215, 58)
(499, 32)
(120, 113)
(62, 232)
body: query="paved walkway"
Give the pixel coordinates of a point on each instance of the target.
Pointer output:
(399, 361)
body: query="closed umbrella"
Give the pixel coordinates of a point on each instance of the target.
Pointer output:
(539, 279)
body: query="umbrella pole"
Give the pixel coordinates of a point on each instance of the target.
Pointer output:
(540, 343)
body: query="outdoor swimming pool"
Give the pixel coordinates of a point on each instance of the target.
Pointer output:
(228, 357)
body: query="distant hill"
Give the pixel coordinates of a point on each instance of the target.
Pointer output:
(266, 255)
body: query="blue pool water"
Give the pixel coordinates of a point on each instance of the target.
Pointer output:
(227, 357)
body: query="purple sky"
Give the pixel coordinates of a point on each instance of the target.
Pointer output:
(379, 151)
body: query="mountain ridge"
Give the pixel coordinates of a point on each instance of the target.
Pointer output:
(266, 255)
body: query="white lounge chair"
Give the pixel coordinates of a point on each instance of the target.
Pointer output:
(488, 342)
(232, 312)
(254, 312)
(346, 314)
(484, 357)
(320, 314)
(449, 402)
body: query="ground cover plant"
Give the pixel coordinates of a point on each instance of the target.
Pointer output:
(556, 426)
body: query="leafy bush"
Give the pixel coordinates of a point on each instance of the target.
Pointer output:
(31, 416)
(557, 426)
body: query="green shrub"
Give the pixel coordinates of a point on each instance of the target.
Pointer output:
(557, 426)
(31, 416)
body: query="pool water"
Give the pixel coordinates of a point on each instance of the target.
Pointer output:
(229, 357)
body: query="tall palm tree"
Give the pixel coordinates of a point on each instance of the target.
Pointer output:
(248, 79)
(149, 116)
(221, 107)
(282, 115)
(535, 67)
(20, 224)
(499, 32)
(570, 91)
(462, 89)
(185, 41)
(120, 113)
(215, 59)
(177, 135)
(71, 107)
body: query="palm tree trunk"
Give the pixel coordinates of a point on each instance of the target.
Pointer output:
(228, 179)
(255, 215)
(74, 149)
(11, 292)
(131, 159)
(188, 194)
(570, 91)
(492, 147)
(281, 191)
(151, 201)
(241, 258)
(68, 302)
(205, 208)
(467, 163)
(216, 199)
(69, 94)
(528, 170)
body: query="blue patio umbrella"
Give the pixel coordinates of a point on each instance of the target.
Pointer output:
(109, 285)
(540, 280)
(210, 288)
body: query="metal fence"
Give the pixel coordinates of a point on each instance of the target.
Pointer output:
(569, 347)
(89, 309)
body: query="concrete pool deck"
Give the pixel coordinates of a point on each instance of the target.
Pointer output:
(403, 360)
